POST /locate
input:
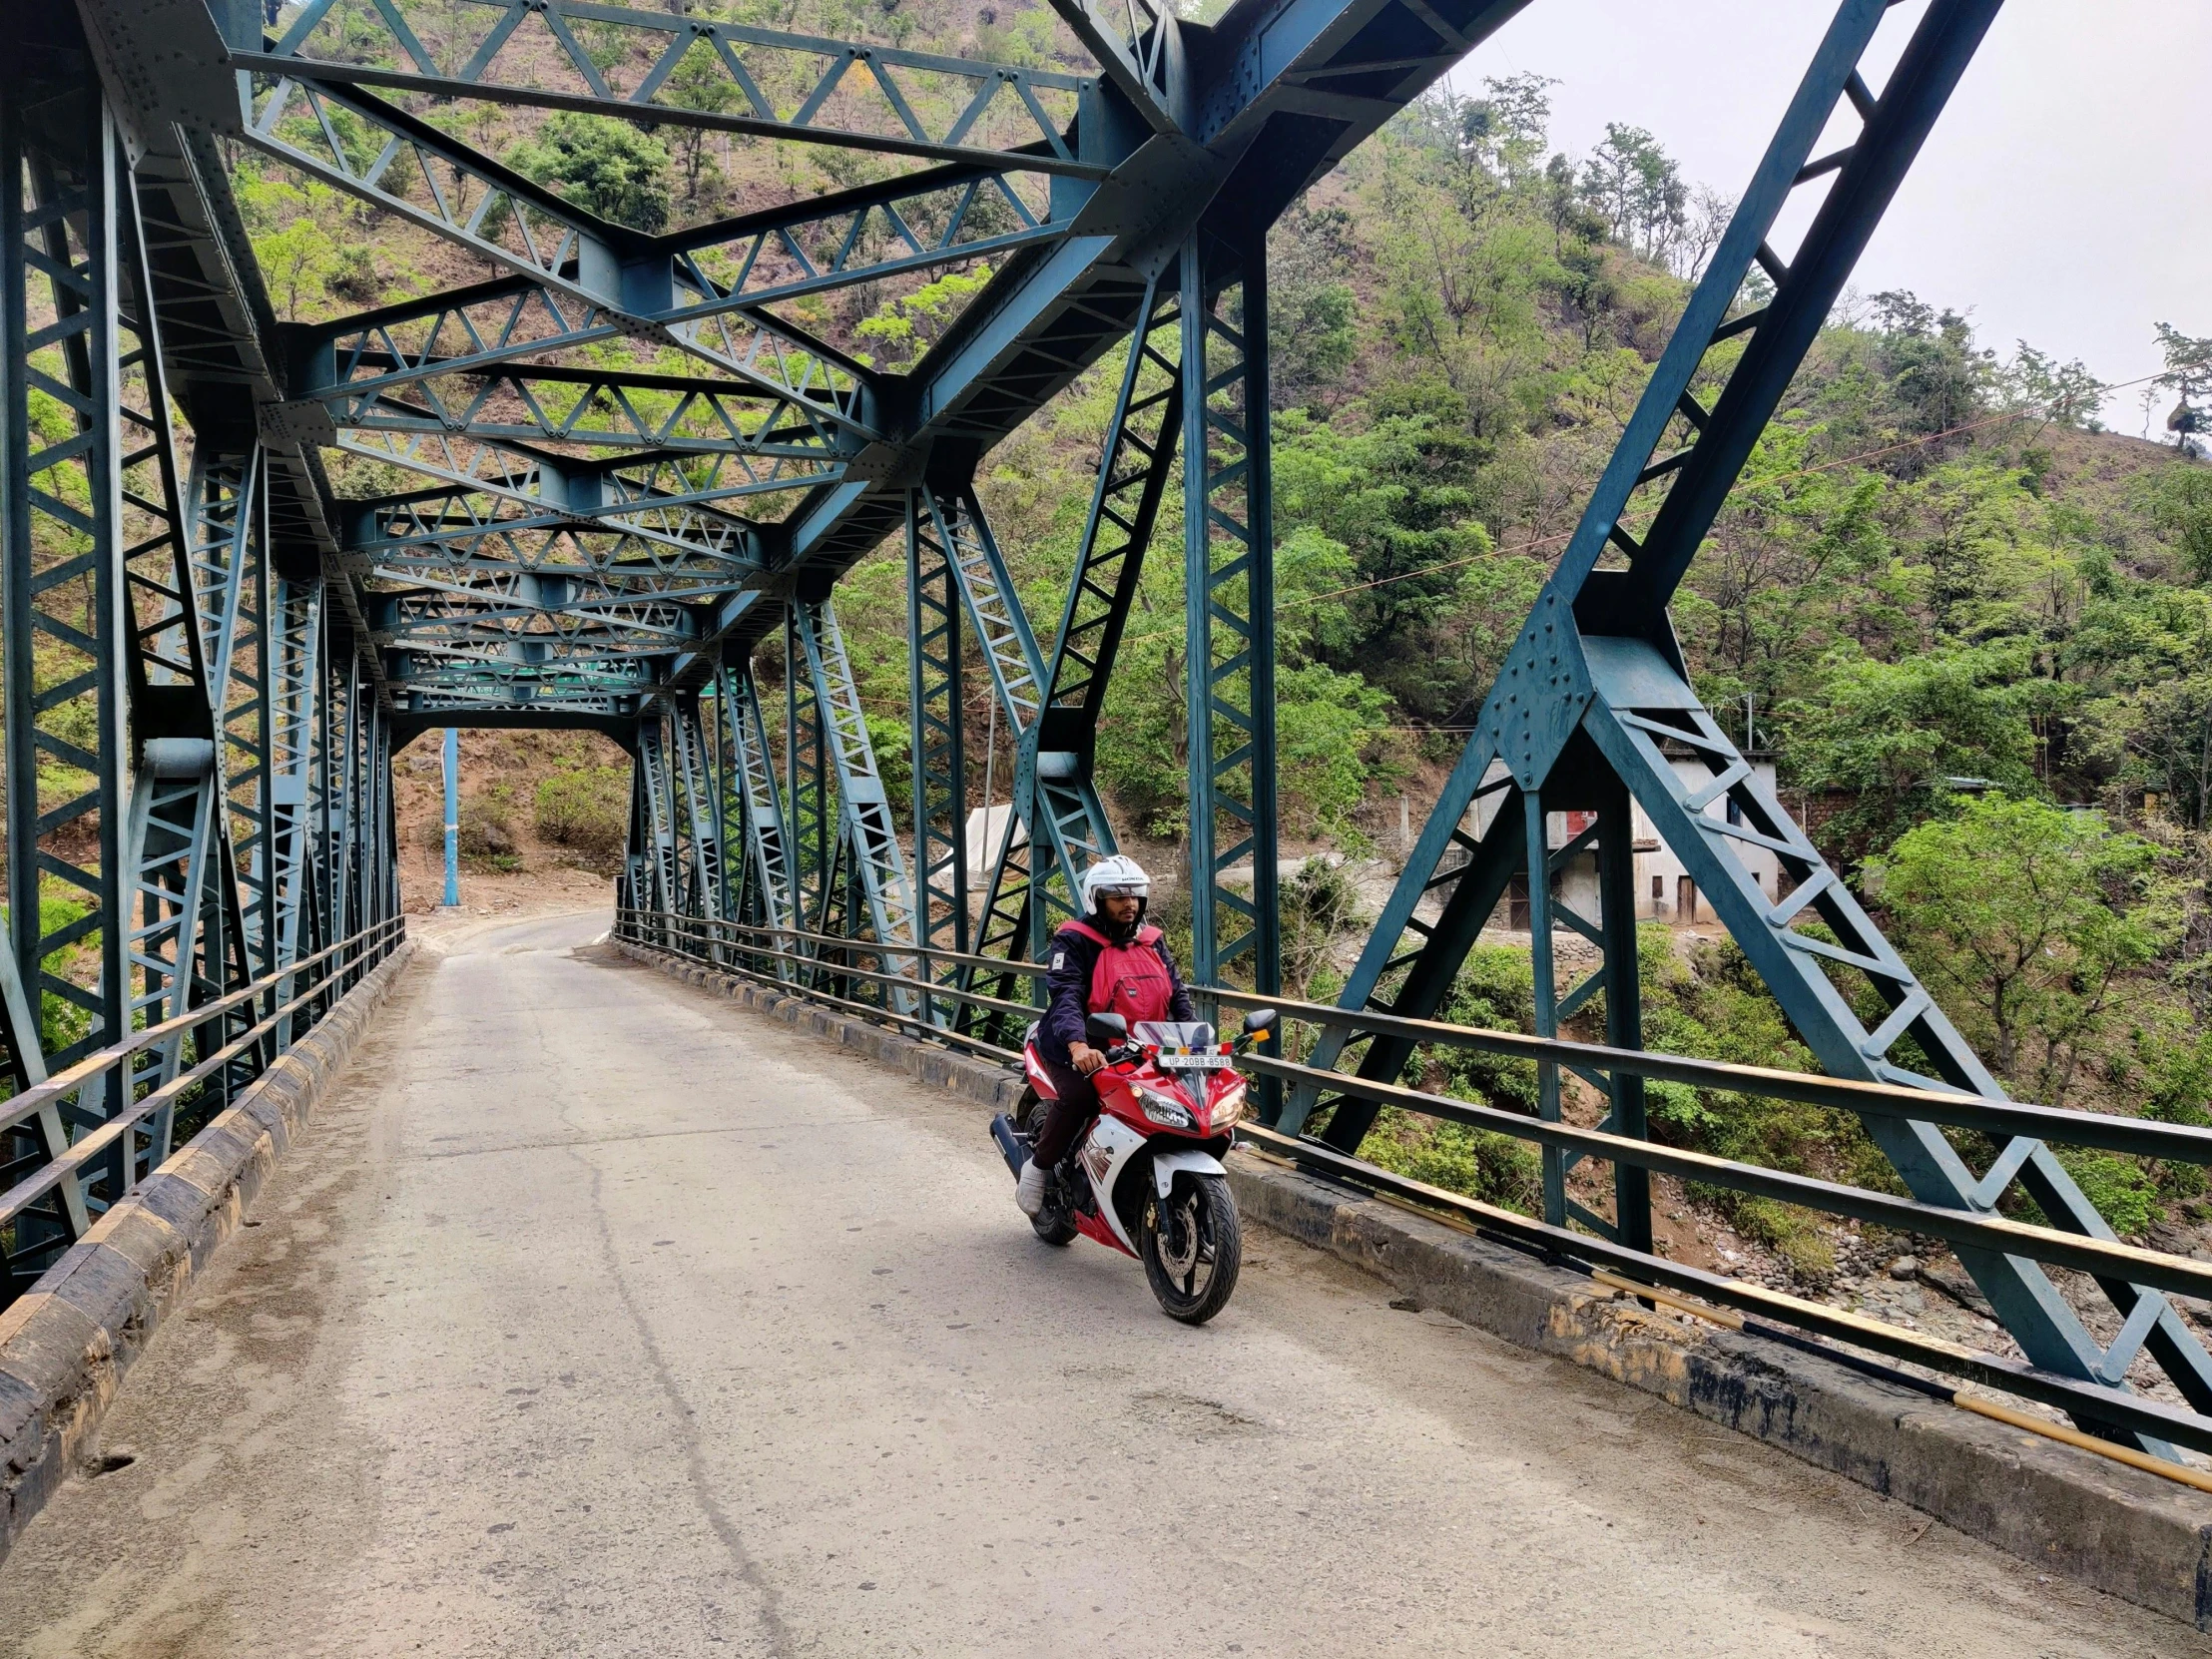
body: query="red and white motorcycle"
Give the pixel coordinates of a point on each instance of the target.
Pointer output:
(1147, 1180)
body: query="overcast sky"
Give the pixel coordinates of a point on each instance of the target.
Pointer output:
(2059, 198)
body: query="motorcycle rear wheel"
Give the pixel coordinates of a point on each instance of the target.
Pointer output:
(1052, 1223)
(1191, 1247)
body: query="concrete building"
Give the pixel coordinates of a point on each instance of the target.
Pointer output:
(1665, 889)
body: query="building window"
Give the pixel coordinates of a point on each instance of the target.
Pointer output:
(1658, 887)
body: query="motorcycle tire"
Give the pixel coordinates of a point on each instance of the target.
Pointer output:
(1192, 1248)
(1052, 1223)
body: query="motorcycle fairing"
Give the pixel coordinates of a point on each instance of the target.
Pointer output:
(1104, 1154)
(1167, 1165)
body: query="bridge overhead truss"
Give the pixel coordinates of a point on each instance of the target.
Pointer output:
(612, 479)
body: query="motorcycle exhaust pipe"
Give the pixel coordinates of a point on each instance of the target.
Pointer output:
(1015, 1149)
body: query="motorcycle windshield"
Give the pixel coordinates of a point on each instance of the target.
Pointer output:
(1174, 1033)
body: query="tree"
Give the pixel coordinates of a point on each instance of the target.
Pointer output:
(1639, 190)
(2068, 395)
(2171, 744)
(2188, 376)
(908, 326)
(2030, 921)
(1936, 374)
(2181, 506)
(605, 167)
(701, 82)
(1891, 734)
(1312, 313)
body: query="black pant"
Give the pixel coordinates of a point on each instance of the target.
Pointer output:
(1074, 1105)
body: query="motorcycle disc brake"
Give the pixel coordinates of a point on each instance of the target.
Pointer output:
(1178, 1236)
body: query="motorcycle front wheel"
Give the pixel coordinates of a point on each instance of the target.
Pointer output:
(1192, 1248)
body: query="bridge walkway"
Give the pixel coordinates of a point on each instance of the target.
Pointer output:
(599, 1318)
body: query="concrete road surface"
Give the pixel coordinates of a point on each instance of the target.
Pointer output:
(598, 1317)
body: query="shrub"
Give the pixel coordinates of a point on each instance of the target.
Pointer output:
(2120, 1188)
(1479, 1162)
(587, 810)
(1319, 906)
(1495, 989)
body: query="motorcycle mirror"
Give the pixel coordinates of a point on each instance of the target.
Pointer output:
(1105, 1030)
(1260, 1019)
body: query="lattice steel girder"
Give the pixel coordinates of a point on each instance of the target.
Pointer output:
(766, 829)
(587, 589)
(616, 490)
(1054, 763)
(63, 633)
(1860, 178)
(1135, 464)
(657, 799)
(1228, 598)
(492, 591)
(622, 281)
(868, 836)
(669, 414)
(522, 604)
(838, 84)
(1139, 51)
(696, 816)
(1284, 92)
(480, 328)
(1062, 823)
(938, 696)
(807, 789)
(1887, 145)
(464, 523)
(707, 296)
(1629, 720)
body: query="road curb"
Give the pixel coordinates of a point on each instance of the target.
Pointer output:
(2116, 1529)
(66, 1343)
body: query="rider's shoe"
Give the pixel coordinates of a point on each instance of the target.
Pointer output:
(1029, 1190)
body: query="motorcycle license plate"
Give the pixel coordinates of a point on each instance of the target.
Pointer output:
(1184, 1059)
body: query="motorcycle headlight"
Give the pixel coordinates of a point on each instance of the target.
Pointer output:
(1162, 1110)
(1229, 1108)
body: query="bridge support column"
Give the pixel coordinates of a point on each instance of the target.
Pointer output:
(1229, 621)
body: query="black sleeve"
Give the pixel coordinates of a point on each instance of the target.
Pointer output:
(1179, 999)
(1067, 995)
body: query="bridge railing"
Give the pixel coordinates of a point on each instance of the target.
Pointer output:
(105, 1124)
(848, 974)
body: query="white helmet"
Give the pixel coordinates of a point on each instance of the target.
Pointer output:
(1118, 875)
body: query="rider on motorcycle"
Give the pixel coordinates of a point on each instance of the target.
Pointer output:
(1109, 961)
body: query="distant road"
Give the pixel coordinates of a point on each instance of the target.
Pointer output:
(600, 1318)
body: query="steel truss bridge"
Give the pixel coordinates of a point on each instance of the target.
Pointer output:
(598, 481)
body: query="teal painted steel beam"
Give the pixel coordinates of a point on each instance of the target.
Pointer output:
(452, 756)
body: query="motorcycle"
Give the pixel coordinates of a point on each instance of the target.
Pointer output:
(1147, 1178)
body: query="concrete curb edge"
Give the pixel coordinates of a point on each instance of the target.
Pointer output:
(66, 1343)
(2116, 1529)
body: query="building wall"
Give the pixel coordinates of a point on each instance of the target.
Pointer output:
(1664, 891)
